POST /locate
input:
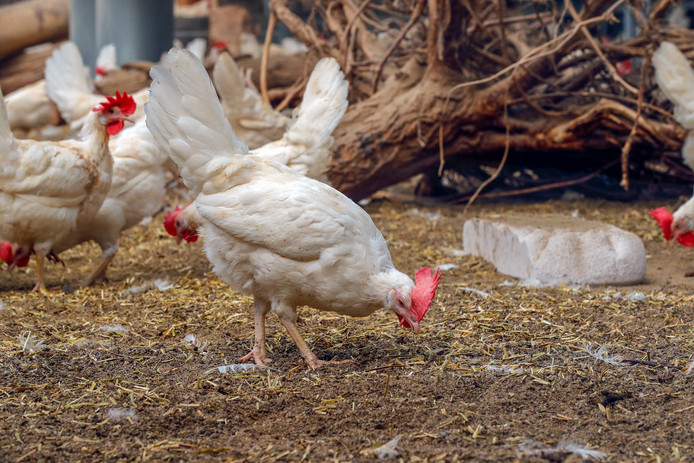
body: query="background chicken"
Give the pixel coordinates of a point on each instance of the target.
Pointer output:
(48, 189)
(254, 121)
(137, 191)
(675, 77)
(106, 62)
(284, 238)
(304, 147)
(72, 90)
(30, 107)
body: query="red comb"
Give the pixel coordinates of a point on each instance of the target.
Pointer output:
(220, 44)
(124, 101)
(170, 225)
(100, 70)
(8, 255)
(664, 219)
(170, 219)
(6, 252)
(426, 281)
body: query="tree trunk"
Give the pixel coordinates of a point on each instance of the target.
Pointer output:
(462, 74)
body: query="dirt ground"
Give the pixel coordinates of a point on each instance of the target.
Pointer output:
(500, 378)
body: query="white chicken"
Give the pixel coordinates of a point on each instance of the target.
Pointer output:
(29, 107)
(305, 146)
(48, 189)
(254, 121)
(675, 77)
(106, 62)
(268, 231)
(137, 191)
(72, 90)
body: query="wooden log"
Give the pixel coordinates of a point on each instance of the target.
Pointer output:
(24, 69)
(32, 22)
(283, 70)
(131, 78)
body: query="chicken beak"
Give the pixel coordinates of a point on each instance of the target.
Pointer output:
(415, 326)
(128, 118)
(409, 317)
(179, 238)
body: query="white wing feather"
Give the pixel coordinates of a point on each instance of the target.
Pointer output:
(186, 118)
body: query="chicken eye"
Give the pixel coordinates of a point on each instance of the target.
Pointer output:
(401, 302)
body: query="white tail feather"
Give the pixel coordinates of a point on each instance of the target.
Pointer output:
(107, 57)
(305, 147)
(228, 80)
(187, 120)
(67, 83)
(198, 47)
(675, 77)
(253, 120)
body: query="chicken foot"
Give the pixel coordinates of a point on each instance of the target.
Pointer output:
(309, 357)
(259, 353)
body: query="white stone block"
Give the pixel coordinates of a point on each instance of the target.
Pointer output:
(557, 249)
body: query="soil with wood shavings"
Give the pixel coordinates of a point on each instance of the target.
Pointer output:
(500, 372)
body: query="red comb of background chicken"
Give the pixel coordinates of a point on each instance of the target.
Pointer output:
(220, 45)
(100, 70)
(127, 106)
(170, 220)
(8, 255)
(426, 281)
(6, 252)
(664, 219)
(170, 225)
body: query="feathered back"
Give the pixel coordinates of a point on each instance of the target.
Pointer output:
(675, 77)
(187, 120)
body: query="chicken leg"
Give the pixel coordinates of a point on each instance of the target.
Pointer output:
(39, 273)
(259, 353)
(99, 273)
(309, 357)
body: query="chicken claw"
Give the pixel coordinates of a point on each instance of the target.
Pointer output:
(258, 355)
